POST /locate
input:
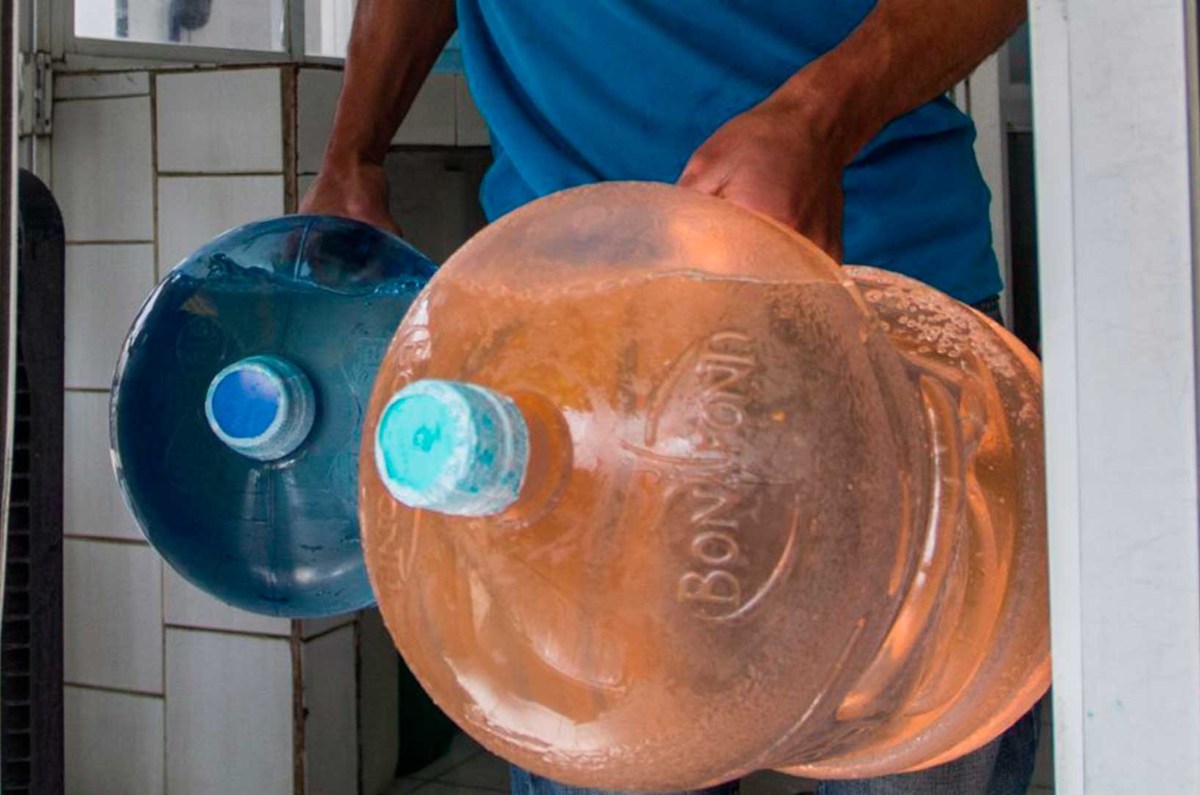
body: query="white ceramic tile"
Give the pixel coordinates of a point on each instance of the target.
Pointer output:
(114, 742)
(317, 93)
(310, 627)
(186, 605)
(105, 287)
(303, 183)
(112, 614)
(193, 210)
(331, 720)
(92, 502)
(220, 121)
(430, 120)
(379, 701)
(469, 124)
(101, 84)
(102, 173)
(229, 714)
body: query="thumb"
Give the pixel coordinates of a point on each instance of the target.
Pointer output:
(700, 174)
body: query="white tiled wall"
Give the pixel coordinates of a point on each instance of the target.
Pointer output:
(105, 286)
(311, 627)
(229, 714)
(185, 605)
(330, 717)
(470, 127)
(443, 114)
(114, 743)
(171, 691)
(101, 172)
(101, 84)
(92, 504)
(112, 614)
(378, 703)
(431, 118)
(220, 121)
(193, 210)
(216, 705)
(317, 93)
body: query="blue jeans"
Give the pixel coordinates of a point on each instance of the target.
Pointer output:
(1002, 767)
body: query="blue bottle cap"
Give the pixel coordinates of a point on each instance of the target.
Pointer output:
(452, 447)
(262, 407)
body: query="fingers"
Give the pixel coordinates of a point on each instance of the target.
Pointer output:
(357, 196)
(815, 214)
(386, 223)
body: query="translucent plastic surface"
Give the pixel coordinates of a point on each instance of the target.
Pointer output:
(777, 514)
(280, 536)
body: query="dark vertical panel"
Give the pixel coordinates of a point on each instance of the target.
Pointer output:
(33, 650)
(1026, 320)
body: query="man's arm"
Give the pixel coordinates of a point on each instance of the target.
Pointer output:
(785, 156)
(393, 45)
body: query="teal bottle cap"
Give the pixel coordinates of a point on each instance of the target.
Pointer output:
(452, 447)
(262, 407)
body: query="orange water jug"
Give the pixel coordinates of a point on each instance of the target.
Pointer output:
(654, 494)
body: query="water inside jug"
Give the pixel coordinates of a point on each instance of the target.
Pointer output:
(237, 407)
(654, 494)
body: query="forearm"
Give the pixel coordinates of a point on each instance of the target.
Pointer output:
(393, 45)
(905, 53)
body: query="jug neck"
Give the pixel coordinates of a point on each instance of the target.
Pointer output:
(453, 447)
(262, 407)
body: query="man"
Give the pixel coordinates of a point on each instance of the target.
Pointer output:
(827, 115)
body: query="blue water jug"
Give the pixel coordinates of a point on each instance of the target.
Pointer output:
(237, 406)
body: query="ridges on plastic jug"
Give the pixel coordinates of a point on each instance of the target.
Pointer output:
(692, 501)
(238, 403)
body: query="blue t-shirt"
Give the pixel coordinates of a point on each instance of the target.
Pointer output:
(579, 91)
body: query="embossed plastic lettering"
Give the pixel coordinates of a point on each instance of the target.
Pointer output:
(716, 587)
(724, 368)
(776, 512)
(715, 547)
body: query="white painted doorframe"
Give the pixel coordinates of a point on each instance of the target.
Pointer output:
(1112, 94)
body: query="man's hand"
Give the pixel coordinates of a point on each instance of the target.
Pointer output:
(770, 159)
(393, 45)
(351, 190)
(785, 156)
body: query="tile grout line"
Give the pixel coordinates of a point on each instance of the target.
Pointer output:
(120, 691)
(99, 97)
(216, 174)
(234, 632)
(162, 596)
(310, 638)
(109, 242)
(153, 85)
(127, 542)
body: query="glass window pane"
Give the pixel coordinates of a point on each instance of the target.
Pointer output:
(234, 24)
(327, 29)
(327, 26)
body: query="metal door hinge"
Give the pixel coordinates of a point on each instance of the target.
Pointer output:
(36, 94)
